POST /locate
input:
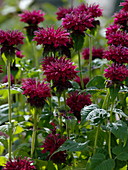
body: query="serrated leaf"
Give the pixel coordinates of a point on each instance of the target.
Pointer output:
(119, 129)
(86, 110)
(97, 82)
(97, 116)
(121, 152)
(106, 165)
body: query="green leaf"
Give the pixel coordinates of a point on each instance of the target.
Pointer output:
(97, 82)
(97, 116)
(120, 112)
(1, 148)
(2, 160)
(86, 110)
(121, 152)
(119, 129)
(114, 91)
(78, 39)
(106, 165)
(72, 146)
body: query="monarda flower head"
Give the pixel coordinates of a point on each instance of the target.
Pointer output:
(19, 54)
(60, 71)
(117, 54)
(121, 18)
(76, 101)
(116, 73)
(9, 40)
(32, 18)
(53, 39)
(124, 5)
(19, 164)
(96, 53)
(51, 144)
(117, 38)
(62, 12)
(36, 92)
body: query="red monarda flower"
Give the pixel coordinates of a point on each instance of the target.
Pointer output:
(9, 39)
(76, 101)
(60, 71)
(117, 54)
(121, 18)
(96, 53)
(125, 5)
(51, 144)
(118, 38)
(62, 12)
(50, 36)
(82, 18)
(116, 73)
(32, 17)
(36, 92)
(19, 164)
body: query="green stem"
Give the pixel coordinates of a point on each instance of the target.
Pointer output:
(9, 109)
(80, 69)
(34, 134)
(109, 139)
(96, 139)
(35, 56)
(64, 96)
(104, 106)
(90, 57)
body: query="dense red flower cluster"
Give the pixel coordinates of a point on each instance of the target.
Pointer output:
(32, 17)
(117, 54)
(19, 54)
(50, 36)
(116, 72)
(11, 37)
(62, 12)
(81, 18)
(85, 81)
(121, 18)
(1, 69)
(36, 92)
(59, 70)
(125, 5)
(96, 53)
(51, 144)
(19, 164)
(76, 101)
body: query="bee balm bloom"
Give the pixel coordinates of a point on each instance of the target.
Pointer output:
(36, 92)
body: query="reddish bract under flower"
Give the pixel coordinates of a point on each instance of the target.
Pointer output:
(76, 101)
(32, 17)
(19, 164)
(96, 53)
(51, 144)
(116, 73)
(117, 54)
(19, 54)
(50, 36)
(36, 91)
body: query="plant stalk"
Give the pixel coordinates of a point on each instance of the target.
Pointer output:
(9, 109)
(90, 57)
(96, 139)
(80, 69)
(34, 134)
